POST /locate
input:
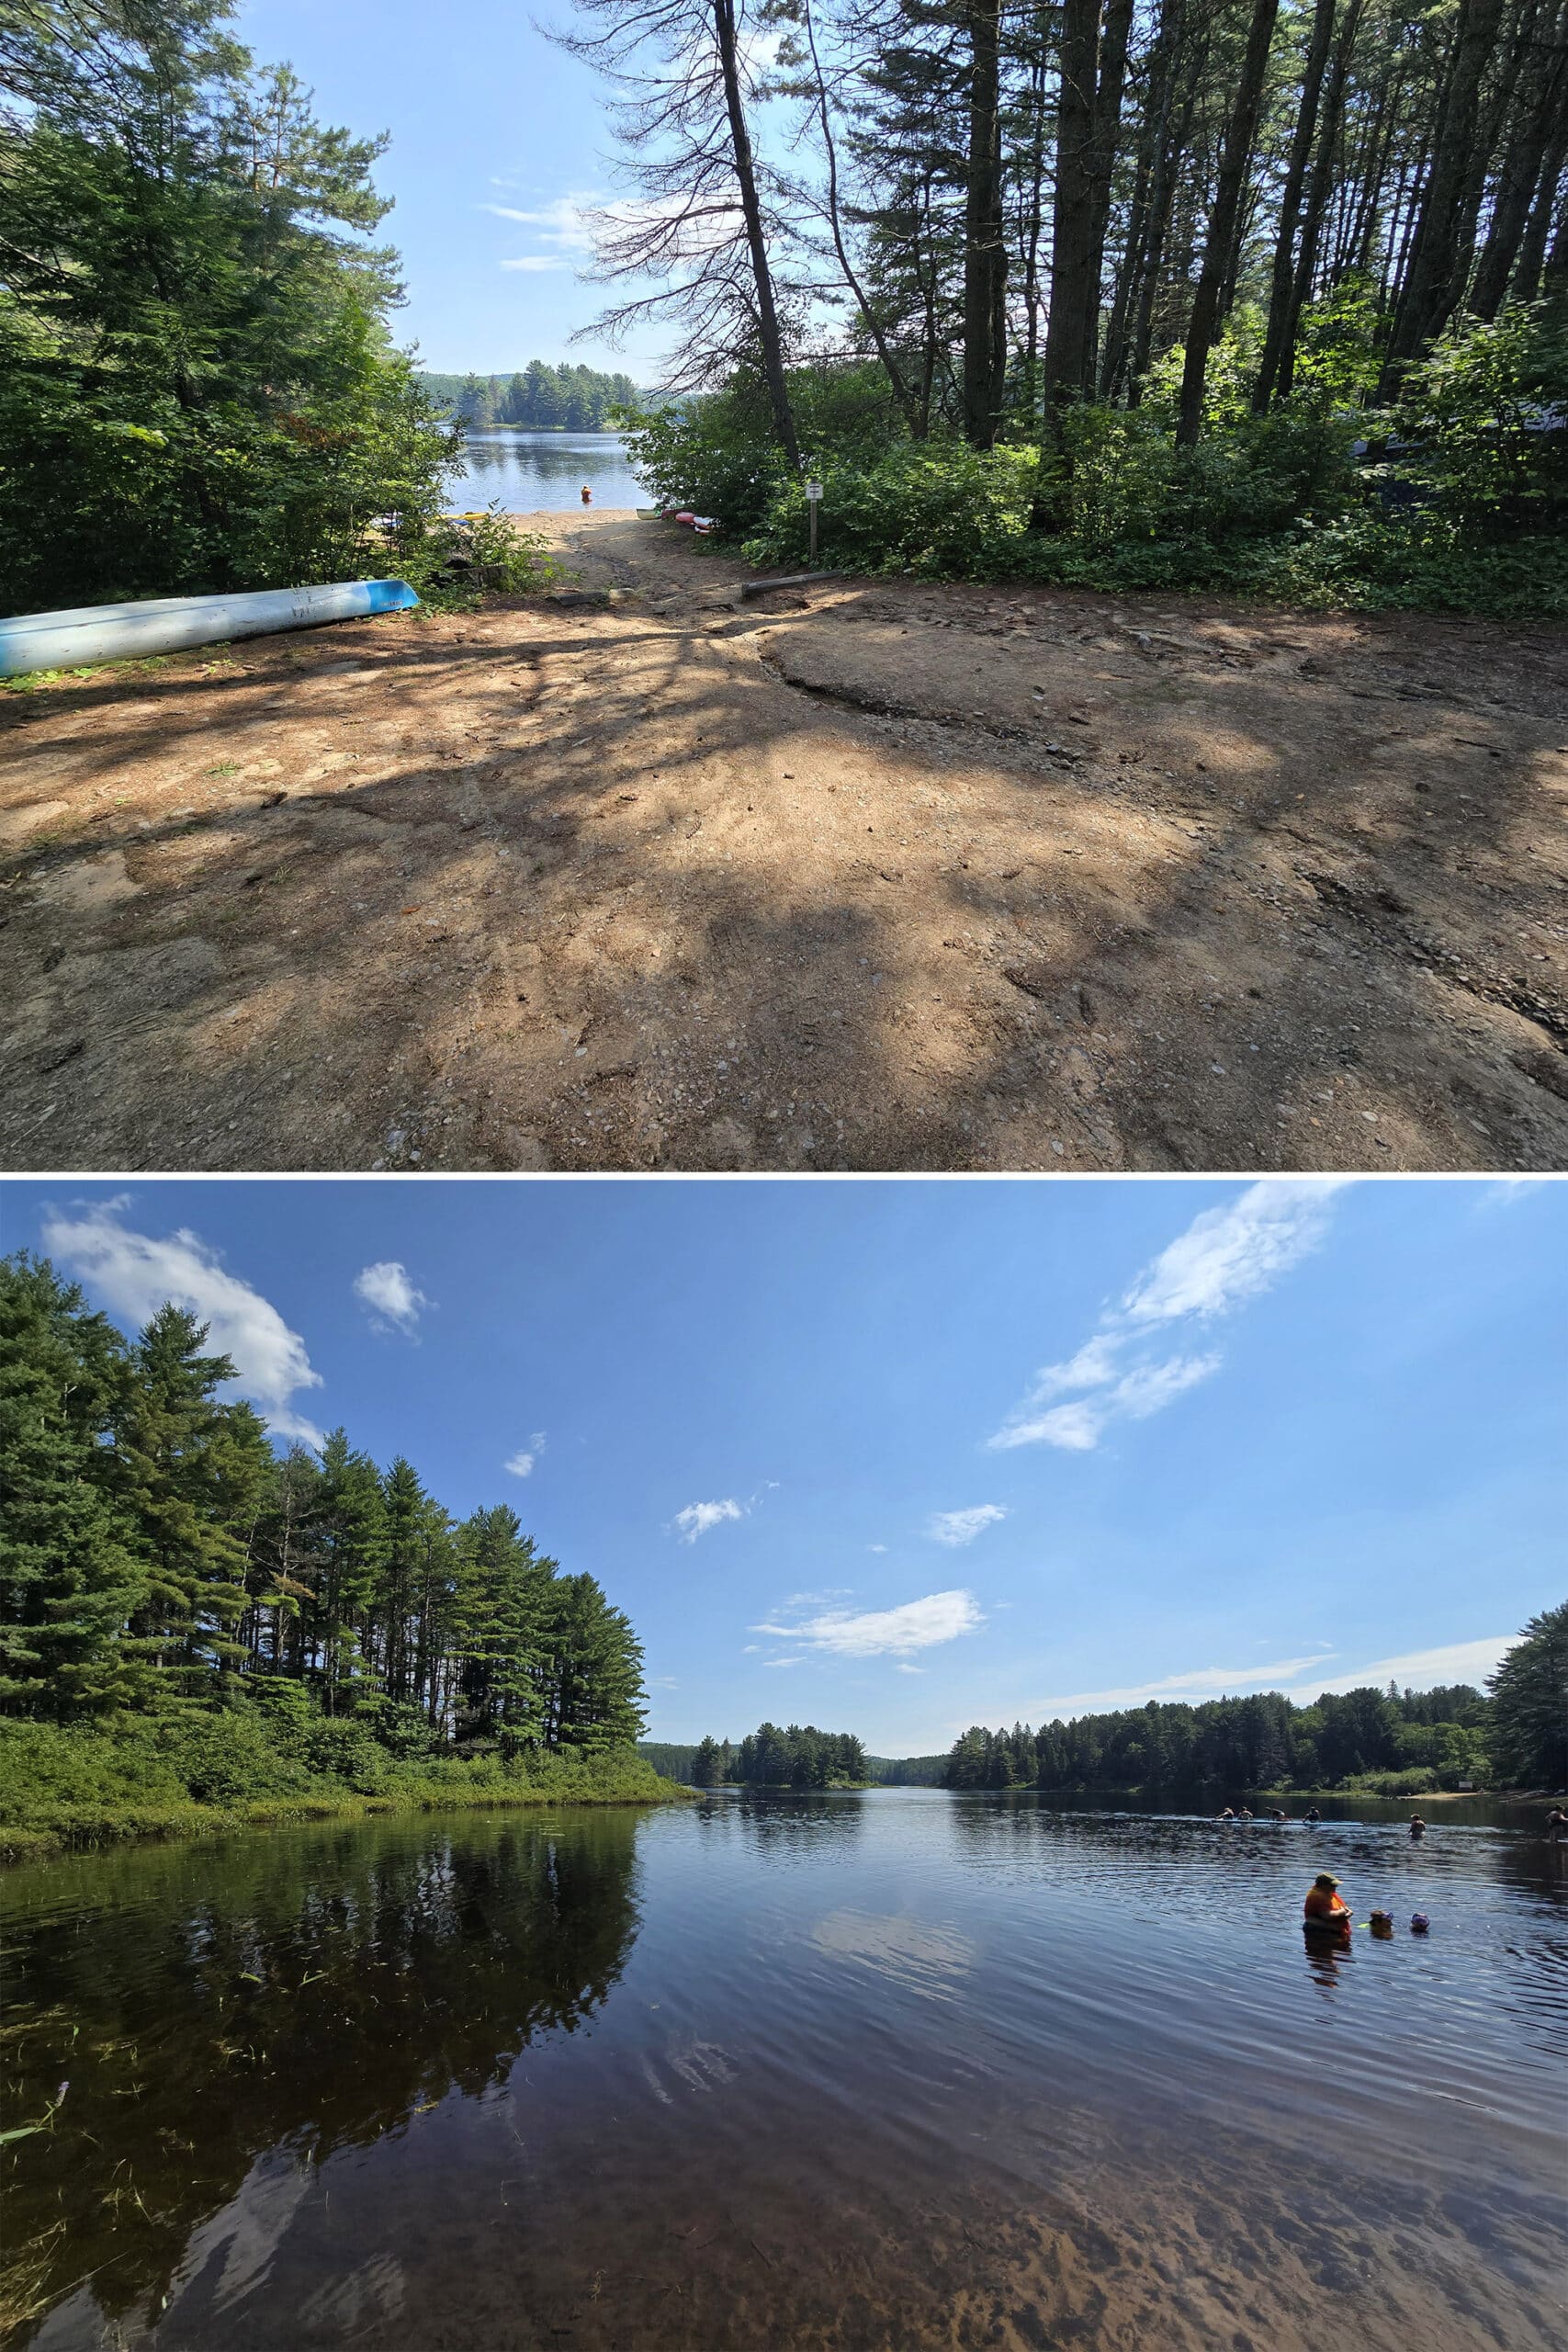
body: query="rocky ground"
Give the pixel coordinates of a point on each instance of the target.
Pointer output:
(854, 876)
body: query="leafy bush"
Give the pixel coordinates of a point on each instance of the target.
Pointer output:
(939, 509)
(205, 1768)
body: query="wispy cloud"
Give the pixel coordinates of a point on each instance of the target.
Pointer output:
(567, 221)
(1298, 1678)
(536, 261)
(137, 1274)
(394, 1304)
(883, 1632)
(520, 1464)
(876, 1547)
(697, 1518)
(956, 1527)
(1134, 1365)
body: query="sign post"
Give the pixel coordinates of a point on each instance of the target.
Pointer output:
(814, 499)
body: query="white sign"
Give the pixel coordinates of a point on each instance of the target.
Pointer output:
(814, 490)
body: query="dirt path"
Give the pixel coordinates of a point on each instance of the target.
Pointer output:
(864, 875)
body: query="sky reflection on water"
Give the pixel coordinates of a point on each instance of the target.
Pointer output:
(537, 473)
(899, 2068)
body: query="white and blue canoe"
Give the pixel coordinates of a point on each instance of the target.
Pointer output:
(169, 624)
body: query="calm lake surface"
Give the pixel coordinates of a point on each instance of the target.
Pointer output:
(892, 2070)
(534, 473)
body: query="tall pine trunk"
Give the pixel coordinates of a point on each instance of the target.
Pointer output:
(1220, 243)
(756, 239)
(1314, 210)
(1544, 95)
(1434, 280)
(1067, 352)
(985, 247)
(1283, 280)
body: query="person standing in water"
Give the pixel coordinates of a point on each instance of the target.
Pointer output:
(587, 495)
(1417, 1827)
(1557, 1826)
(1326, 1906)
(1311, 1813)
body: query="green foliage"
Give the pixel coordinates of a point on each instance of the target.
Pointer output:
(1473, 412)
(1264, 1741)
(799, 1758)
(81, 1785)
(198, 387)
(1529, 1704)
(539, 397)
(1465, 515)
(251, 1627)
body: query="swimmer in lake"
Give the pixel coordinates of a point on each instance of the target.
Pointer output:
(1275, 1814)
(1311, 1813)
(1417, 1827)
(587, 495)
(1228, 1815)
(1325, 1908)
(1246, 1814)
(1557, 1826)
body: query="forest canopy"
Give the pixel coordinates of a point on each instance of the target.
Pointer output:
(1443, 1739)
(545, 399)
(162, 1558)
(1265, 294)
(799, 1758)
(200, 387)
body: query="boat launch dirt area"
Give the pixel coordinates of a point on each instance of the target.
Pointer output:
(856, 875)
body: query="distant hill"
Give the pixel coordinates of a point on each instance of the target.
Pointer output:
(564, 399)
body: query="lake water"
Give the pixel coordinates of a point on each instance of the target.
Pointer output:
(893, 2070)
(535, 473)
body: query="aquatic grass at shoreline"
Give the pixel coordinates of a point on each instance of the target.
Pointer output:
(37, 1819)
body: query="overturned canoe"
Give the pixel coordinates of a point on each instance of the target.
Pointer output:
(166, 624)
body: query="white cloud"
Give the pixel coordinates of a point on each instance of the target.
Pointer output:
(520, 1464)
(956, 1527)
(1230, 1254)
(750, 1649)
(137, 1275)
(1196, 1682)
(567, 221)
(536, 261)
(1300, 1678)
(884, 1633)
(697, 1518)
(904, 1667)
(1226, 1256)
(394, 1303)
(876, 1547)
(1423, 1670)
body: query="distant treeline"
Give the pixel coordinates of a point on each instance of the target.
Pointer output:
(575, 399)
(799, 1758)
(1515, 1737)
(906, 1771)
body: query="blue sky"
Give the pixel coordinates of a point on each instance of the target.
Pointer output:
(488, 119)
(896, 1456)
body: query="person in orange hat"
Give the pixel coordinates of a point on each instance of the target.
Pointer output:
(1326, 1906)
(587, 495)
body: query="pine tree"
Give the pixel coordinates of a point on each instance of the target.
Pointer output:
(1529, 1732)
(70, 1576)
(196, 1469)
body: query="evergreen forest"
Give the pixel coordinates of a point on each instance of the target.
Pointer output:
(1259, 294)
(200, 388)
(1513, 1735)
(191, 1611)
(799, 1758)
(545, 399)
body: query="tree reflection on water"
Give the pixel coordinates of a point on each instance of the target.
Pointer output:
(310, 1992)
